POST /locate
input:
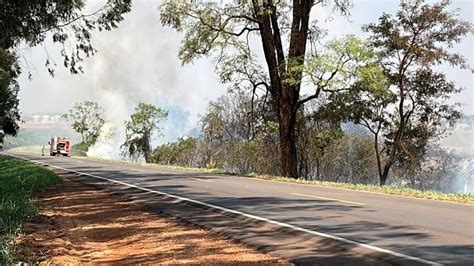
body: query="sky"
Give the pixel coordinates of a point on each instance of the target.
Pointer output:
(138, 62)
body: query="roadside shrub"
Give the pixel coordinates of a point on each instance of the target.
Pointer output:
(182, 152)
(81, 148)
(351, 159)
(259, 155)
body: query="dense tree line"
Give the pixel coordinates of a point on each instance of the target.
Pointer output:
(387, 83)
(328, 151)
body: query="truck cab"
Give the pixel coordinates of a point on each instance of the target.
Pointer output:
(59, 146)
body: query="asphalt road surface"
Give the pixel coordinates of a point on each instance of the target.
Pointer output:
(305, 224)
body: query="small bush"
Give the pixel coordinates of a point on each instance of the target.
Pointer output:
(80, 149)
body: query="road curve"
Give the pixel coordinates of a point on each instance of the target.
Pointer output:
(401, 230)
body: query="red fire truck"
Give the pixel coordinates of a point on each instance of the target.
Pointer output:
(59, 146)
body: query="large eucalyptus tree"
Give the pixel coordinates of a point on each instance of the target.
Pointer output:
(286, 34)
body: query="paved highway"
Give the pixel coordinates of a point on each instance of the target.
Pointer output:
(400, 230)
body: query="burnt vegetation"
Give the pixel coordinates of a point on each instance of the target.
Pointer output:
(285, 116)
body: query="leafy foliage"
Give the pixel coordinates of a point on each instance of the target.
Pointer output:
(86, 119)
(281, 29)
(400, 98)
(65, 22)
(9, 111)
(31, 22)
(182, 152)
(141, 127)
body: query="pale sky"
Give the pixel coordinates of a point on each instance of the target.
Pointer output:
(138, 62)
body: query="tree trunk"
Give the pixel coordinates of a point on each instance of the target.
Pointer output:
(384, 176)
(147, 149)
(289, 161)
(147, 156)
(318, 168)
(383, 170)
(285, 96)
(386, 170)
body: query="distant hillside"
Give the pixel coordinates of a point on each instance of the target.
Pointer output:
(37, 129)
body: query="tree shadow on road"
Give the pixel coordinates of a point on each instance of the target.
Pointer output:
(313, 214)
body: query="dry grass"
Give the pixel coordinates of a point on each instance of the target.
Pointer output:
(84, 225)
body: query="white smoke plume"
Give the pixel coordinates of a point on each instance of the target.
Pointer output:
(459, 141)
(108, 143)
(136, 62)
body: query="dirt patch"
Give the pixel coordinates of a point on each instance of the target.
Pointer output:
(81, 224)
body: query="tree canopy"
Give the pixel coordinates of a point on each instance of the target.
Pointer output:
(388, 83)
(65, 22)
(139, 130)
(9, 111)
(86, 118)
(402, 99)
(281, 29)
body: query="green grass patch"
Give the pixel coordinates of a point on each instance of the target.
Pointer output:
(18, 181)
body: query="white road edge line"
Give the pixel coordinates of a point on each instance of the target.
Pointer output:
(331, 199)
(199, 179)
(255, 217)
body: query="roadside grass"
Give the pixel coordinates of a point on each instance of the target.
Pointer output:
(18, 181)
(161, 166)
(36, 149)
(467, 198)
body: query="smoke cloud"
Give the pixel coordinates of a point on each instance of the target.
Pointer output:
(135, 63)
(459, 143)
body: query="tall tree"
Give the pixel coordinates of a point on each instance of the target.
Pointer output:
(86, 119)
(401, 99)
(283, 30)
(139, 130)
(9, 111)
